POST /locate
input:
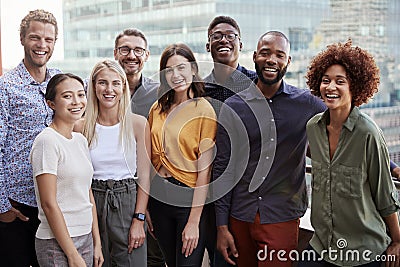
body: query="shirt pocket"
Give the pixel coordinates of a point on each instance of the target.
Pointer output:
(317, 175)
(349, 181)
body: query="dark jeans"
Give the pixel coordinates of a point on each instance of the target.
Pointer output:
(17, 239)
(155, 258)
(322, 263)
(216, 258)
(169, 222)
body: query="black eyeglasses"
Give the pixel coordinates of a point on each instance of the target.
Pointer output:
(125, 50)
(217, 36)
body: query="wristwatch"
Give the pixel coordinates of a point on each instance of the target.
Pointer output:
(139, 216)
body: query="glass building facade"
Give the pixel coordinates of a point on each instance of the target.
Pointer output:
(90, 26)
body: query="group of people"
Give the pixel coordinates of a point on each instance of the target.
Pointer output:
(125, 171)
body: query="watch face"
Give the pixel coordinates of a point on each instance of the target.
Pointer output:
(140, 216)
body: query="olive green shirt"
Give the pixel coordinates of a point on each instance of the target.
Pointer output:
(352, 192)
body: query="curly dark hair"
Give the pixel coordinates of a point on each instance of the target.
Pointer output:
(361, 70)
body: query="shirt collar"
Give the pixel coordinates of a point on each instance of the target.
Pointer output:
(235, 75)
(349, 123)
(253, 92)
(27, 77)
(140, 83)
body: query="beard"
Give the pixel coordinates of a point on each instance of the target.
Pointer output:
(129, 70)
(279, 77)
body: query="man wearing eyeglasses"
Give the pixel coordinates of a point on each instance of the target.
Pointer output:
(228, 76)
(226, 79)
(23, 115)
(131, 51)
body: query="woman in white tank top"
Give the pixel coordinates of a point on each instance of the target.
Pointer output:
(119, 144)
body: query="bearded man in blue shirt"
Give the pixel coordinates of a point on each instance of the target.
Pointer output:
(259, 169)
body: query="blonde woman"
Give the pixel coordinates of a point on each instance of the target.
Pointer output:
(118, 142)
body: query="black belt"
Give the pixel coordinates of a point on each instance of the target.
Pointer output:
(174, 181)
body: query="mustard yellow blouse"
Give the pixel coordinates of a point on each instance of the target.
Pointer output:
(179, 137)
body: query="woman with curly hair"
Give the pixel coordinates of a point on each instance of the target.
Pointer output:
(354, 201)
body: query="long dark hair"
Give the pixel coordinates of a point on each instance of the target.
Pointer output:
(165, 93)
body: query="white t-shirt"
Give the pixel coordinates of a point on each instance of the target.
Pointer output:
(69, 160)
(108, 157)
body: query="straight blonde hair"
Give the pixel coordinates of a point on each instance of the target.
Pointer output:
(126, 132)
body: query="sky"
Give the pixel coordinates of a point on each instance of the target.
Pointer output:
(12, 12)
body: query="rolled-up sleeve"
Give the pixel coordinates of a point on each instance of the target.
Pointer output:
(382, 187)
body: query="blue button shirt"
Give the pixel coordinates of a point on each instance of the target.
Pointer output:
(268, 151)
(23, 115)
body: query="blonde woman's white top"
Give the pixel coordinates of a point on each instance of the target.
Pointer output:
(109, 159)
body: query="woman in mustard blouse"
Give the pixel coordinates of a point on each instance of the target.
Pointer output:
(183, 127)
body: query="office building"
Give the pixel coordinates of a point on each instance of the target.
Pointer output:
(90, 26)
(372, 25)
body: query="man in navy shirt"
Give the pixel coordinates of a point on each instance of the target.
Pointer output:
(259, 170)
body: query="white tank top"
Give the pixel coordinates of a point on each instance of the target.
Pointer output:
(108, 158)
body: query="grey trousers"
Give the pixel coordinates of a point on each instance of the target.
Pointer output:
(115, 203)
(50, 254)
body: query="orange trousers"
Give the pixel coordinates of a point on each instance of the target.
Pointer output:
(264, 245)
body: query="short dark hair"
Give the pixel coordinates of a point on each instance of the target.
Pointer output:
(276, 33)
(130, 32)
(37, 15)
(360, 66)
(165, 93)
(223, 19)
(56, 80)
